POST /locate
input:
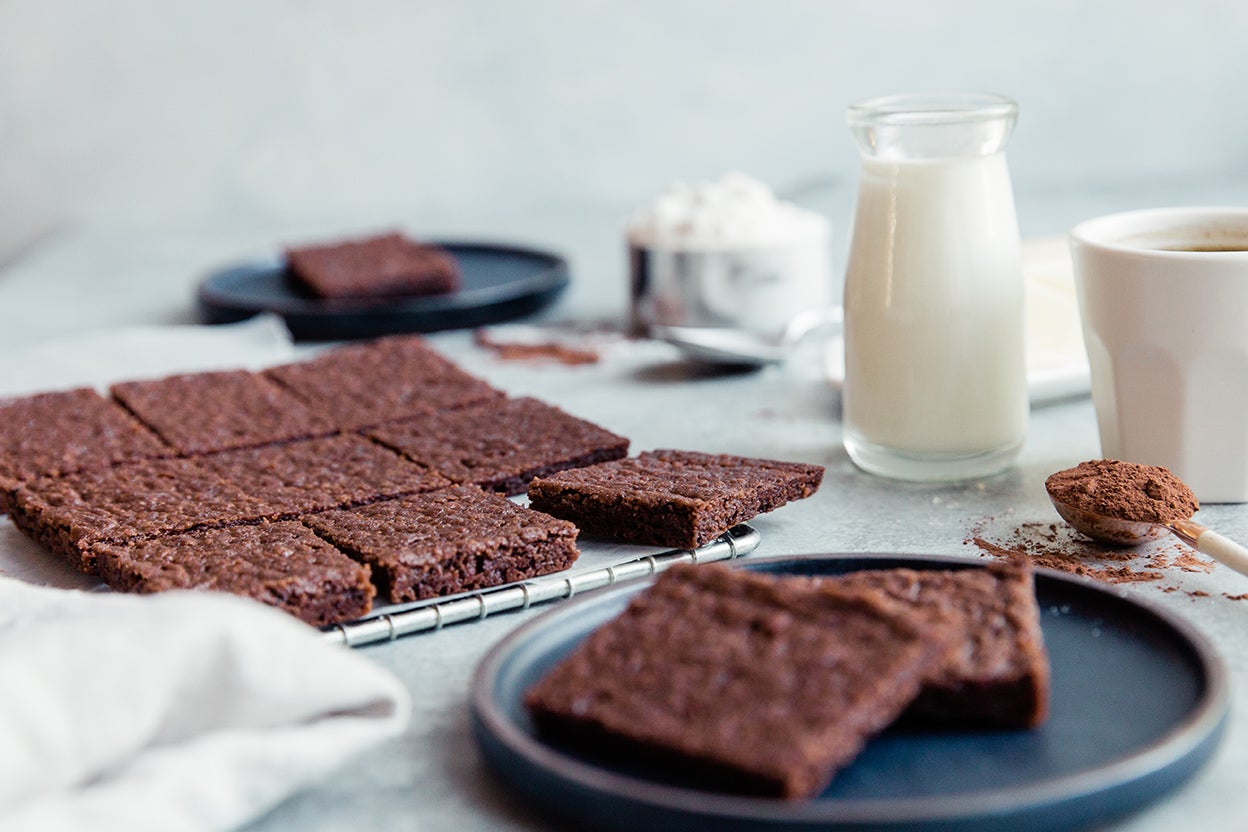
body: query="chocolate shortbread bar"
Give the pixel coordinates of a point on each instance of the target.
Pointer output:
(363, 385)
(387, 264)
(749, 682)
(448, 541)
(996, 673)
(281, 564)
(319, 474)
(133, 499)
(57, 433)
(501, 445)
(681, 499)
(204, 412)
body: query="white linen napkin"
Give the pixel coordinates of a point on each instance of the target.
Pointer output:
(179, 711)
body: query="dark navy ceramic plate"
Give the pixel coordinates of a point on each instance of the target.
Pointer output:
(499, 283)
(1139, 701)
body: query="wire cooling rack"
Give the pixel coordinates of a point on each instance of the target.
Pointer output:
(389, 623)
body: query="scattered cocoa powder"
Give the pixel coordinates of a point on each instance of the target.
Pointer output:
(1158, 560)
(1124, 490)
(995, 550)
(536, 351)
(1059, 547)
(1189, 562)
(1126, 575)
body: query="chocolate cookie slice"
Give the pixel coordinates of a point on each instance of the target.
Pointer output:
(204, 412)
(448, 541)
(680, 499)
(386, 264)
(996, 673)
(363, 385)
(319, 474)
(750, 683)
(58, 433)
(501, 445)
(281, 564)
(146, 498)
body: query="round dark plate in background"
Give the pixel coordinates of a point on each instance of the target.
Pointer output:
(500, 283)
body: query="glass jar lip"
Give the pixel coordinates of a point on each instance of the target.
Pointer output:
(918, 109)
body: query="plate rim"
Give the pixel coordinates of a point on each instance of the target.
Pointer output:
(1205, 722)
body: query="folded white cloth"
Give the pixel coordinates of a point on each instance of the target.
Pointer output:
(181, 711)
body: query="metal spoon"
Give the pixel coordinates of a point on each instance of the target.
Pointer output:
(741, 348)
(1130, 532)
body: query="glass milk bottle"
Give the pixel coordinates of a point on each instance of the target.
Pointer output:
(935, 385)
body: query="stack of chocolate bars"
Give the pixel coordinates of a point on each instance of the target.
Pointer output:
(373, 470)
(768, 685)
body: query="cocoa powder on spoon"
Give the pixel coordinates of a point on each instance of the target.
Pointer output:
(1124, 491)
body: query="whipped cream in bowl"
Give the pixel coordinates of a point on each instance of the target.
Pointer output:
(727, 254)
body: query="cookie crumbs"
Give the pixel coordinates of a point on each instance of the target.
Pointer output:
(1059, 547)
(536, 351)
(1126, 575)
(1188, 562)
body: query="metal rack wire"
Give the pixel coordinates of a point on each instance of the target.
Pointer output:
(433, 615)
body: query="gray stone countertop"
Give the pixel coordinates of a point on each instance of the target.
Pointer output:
(432, 778)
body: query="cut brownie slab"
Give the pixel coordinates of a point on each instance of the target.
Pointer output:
(281, 564)
(448, 541)
(672, 498)
(133, 499)
(752, 683)
(501, 445)
(318, 474)
(204, 412)
(56, 433)
(387, 264)
(997, 672)
(363, 385)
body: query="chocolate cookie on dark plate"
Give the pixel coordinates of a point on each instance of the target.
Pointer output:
(756, 684)
(379, 266)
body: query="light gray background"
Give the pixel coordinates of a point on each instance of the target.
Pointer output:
(143, 142)
(550, 120)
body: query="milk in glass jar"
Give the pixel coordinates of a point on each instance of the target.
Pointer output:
(935, 385)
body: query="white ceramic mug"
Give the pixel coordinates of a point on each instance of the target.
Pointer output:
(1163, 296)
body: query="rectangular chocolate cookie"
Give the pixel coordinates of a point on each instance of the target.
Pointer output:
(363, 385)
(56, 433)
(997, 673)
(133, 499)
(448, 541)
(501, 445)
(748, 682)
(204, 412)
(318, 474)
(387, 264)
(281, 564)
(681, 499)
